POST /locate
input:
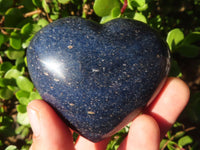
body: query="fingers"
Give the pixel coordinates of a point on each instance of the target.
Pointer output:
(84, 144)
(49, 131)
(146, 130)
(144, 134)
(169, 103)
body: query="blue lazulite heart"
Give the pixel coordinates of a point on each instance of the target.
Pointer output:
(97, 77)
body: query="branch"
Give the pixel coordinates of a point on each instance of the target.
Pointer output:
(38, 11)
(12, 28)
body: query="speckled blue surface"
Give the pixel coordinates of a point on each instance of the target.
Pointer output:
(97, 77)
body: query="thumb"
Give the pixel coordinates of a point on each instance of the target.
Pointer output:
(48, 129)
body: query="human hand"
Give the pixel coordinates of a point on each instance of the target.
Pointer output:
(146, 130)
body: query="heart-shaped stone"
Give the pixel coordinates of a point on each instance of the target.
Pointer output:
(97, 77)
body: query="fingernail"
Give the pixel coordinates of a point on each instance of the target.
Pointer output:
(34, 120)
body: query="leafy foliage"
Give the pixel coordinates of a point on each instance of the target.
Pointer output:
(177, 21)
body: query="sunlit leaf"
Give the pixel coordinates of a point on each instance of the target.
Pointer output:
(11, 147)
(21, 108)
(37, 3)
(26, 29)
(104, 7)
(185, 140)
(42, 22)
(143, 8)
(12, 73)
(22, 118)
(24, 83)
(14, 54)
(174, 37)
(45, 6)
(140, 17)
(23, 97)
(34, 96)
(63, 1)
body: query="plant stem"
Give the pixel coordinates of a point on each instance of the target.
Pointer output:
(124, 6)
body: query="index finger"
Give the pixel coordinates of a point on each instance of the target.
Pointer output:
(169, 103)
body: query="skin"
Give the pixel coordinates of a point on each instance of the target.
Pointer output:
(145, 132)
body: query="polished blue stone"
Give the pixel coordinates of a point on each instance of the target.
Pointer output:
(97, 77)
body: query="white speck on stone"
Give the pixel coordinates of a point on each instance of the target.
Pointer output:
(95, 70)
(91, 112)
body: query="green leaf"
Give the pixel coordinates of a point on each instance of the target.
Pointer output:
(5, 82)
(26, 147)
(25, 61)
(104, 7)
(143, 8)
(42, 22)
(136, 3)
(24, 84)
(36, 28)
(106, 19)
(192, 38)
(54, 17)
(171, 144)
(34, 96)
(114, 14)
(45, 6)
(25, 132)
(162, 143)
(27, 29)
(179, 134)
(7, 121)
(19, 63)
(21, 108)
(14, 54)
(189, 51)
(22, 118)
(15, 40)
(140, 17)
(11, 147)
(175, 70)
(63, 1)
(37, 3)
(12, 73)
(140, 2)
(174, 37)
(1, 39)
(185, 140)
(5, 93)
(6, 66)
(19, 129)
(12, 17)
(4, 5)
(6, 131)
(27, 42)
(28, 5)
(23, 97)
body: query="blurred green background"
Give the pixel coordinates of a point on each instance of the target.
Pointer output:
(178, 22)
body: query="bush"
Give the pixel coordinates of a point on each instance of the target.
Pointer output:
(177, 21)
